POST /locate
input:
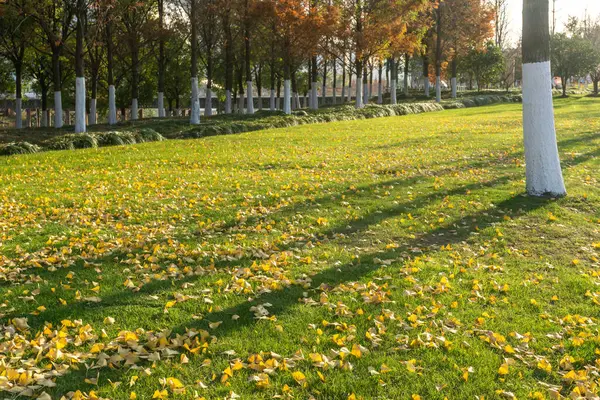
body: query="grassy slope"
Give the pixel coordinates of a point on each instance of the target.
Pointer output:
(407, 204)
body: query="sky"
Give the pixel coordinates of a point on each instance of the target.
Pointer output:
(564, 8)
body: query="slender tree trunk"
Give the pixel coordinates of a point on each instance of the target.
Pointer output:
(80, 93)
(543, 171)
(195, 101)
(56, 79)
(208, 106)
(287, 100)
(228, 62)
(393, 86)
(359, 84)
(343, 82)
(19, 94)
(112, 103)
(454, 73)
(438, 53)
(426, 74)
(249, 95)
(324, 86)
(161, 59)
(406, 71)
(380, 84)
(334, 99)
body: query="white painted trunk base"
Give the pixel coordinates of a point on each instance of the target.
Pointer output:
(454, 88)
(195, 103)
(208, 103)
(161, 105)
(112, 106)
(58, 111)
(287, 100)
(406, 85)
(349, 93)
(427, 85)
(80, 105)
(359, 94)
(228, 102)
(365, 94)
(295, 101)
(272, 100)
(134, 109)
(19, 113)
(393, 92)
(543, 172)
(438, 89)
(240, 103)
(93, 112)
(249, 98)
(314, 97)
(380, 92)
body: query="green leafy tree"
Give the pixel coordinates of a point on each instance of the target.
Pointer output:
(572, 56)
(485, 65)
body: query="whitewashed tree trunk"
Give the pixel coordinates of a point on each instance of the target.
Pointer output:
(427, 86)
(112, 106)
(380, 91)
(44, 119)
(208, 103)
(438, 89)
(314, 96)
(241, 103)
(249, 98)
(294, 101)
(228, 102)
(134, 109)
(543, 171)
(287, 96)
(393, 93)
(161, 105)
(93, 112)
(80, 105)
(272, 100)
(58, 111)
(454, 92)
(365, 93)
(195, 105)
(359, 93)
(19, 113)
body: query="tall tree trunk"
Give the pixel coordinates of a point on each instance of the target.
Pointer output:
(258, 76)
(359, 84)
(80, 108)
(209, 80)
(249, 95)
(19, 94)
(228, 61)
(426, 74)
(195, 101)
(438, 53)
(112, 103)
(57, 83)
(324, 86)
(380, 84)
(344, 82)
(454, 73)
(394, 85)
(334, 99)
(543, 171)
(287, 100)
(161, 59)
(406, 71)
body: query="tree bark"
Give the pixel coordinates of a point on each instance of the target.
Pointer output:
(543, 171)
(195, 101)
(80, 93)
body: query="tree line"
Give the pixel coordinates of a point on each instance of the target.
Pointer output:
(118, 53)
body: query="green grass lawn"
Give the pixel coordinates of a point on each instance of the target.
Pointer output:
(388, 258)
